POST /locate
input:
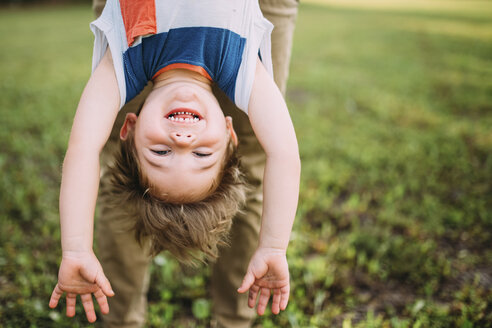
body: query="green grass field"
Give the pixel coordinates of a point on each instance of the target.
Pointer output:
(392, 103)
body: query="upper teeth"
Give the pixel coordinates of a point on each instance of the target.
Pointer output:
(180, 119)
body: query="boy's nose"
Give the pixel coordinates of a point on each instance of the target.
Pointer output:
(182, 139)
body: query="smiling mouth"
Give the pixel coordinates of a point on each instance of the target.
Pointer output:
(184, 116)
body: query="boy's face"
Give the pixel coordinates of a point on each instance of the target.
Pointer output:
(181, 137)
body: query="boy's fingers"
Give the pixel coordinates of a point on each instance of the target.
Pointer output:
(284, 297)
(71, 300)
(55, 296)
(104, 284)
(88, 307)
(276, 301)
(248, 280)
(102, 301)
(263, 302)
(253, 293)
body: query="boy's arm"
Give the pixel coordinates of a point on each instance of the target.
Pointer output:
(80, 271)
(96, 113)
(270, 119)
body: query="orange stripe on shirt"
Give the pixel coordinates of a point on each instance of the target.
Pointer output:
(200, 70)
(139, 18)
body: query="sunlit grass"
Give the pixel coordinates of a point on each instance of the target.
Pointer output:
(438, 6)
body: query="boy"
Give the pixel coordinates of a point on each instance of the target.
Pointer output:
(186, 99)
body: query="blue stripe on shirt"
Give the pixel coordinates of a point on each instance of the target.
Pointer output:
(218, 51)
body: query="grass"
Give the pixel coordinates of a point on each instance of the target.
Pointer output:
(392, 103)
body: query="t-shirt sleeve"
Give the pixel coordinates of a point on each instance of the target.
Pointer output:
(109, 30)
(258, 44)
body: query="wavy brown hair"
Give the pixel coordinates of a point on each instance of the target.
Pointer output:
(189, 231)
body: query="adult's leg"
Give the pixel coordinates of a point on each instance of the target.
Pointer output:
(125, 262)
(282, 14)
(230, 308)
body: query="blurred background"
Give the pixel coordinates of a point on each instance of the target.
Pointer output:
(392, 104)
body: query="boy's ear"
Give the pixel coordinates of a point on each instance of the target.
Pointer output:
(128, 125)
(231, 130)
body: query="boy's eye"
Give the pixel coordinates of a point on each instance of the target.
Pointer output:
(161, 152)
(201, 154)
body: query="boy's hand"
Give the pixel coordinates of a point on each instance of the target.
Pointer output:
(81, 273)
(268, 273)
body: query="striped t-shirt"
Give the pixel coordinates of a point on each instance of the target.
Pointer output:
(221, 39)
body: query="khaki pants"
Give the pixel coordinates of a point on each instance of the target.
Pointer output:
(126, 264)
